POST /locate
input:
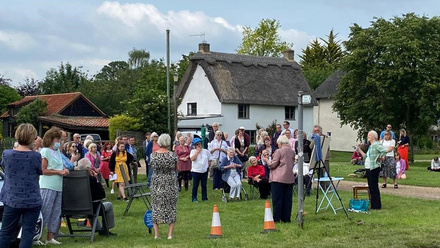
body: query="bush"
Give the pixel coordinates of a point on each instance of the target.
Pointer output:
(122, 122)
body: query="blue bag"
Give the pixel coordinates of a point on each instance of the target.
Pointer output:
(359, 204)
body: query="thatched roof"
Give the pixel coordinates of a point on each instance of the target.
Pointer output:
(249, 79)
(329, 87)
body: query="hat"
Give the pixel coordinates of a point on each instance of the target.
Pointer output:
(241, 127)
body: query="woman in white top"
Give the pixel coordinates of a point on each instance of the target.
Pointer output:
(389, 164)
(200, 158)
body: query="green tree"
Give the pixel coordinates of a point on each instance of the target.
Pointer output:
(138, 58)
(318, 61)
(263, 40)
(108, 88)
(149, 100)
(392, 75)
(8, 95)
(65, 79)
(30, 112)
(122, 122)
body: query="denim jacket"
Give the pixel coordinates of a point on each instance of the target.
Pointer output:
(225, 162)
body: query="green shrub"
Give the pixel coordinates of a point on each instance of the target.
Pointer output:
(123, 122)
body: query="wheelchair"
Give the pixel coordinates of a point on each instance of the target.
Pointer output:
(226, 189)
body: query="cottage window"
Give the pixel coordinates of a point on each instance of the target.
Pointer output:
(243, 111)
(289, 112)
(191, 109)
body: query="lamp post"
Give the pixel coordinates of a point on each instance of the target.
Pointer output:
(302, 99)
(168, 81)
(176, 78)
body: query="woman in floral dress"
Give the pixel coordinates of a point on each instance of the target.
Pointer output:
(164, 188)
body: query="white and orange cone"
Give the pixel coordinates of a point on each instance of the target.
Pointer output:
(269, 223)
(216, 226)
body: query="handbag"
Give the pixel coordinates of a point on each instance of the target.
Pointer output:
(359, 204)
(215, 162)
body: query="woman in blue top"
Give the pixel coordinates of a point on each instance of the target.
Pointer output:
(231, 167)
(51, 182)
(20, 193)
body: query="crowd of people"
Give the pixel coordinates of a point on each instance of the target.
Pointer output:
(173, 166)
(385, 157)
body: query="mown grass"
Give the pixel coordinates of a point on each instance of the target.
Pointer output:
(403, 222)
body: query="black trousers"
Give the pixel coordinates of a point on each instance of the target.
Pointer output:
(282, 201)
(373, 186)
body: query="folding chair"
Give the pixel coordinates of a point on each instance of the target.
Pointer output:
(77, 203)
(254, 191)
(134, 190)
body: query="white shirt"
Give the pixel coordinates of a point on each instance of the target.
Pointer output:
(215, 144)
(200, 165)
(306, 169)
(435, 165)
(387, 144)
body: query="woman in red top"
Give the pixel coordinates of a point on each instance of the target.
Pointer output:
(105, 159)
(183, 163)
(256, 175)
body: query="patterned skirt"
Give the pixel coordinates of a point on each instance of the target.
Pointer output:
(388, 168)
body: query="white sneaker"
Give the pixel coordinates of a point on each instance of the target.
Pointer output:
(37, 242)
(53, 242)
(112, 191)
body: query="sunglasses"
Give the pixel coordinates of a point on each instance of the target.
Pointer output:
(265, 155)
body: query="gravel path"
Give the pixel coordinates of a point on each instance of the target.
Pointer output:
(403, 190)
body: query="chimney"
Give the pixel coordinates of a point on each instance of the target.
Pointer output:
(204, 48)
(288, 54)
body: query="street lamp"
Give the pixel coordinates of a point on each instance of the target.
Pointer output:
(176, 78)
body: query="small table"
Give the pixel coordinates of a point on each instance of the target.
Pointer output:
(328, 193)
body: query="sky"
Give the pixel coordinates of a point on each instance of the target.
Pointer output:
(36, 36)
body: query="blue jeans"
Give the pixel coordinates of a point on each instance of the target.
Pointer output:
(11, 217)
(199, 178)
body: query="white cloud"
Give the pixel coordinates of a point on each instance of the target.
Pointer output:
(138, 15)
(300, 39)
(17, 41)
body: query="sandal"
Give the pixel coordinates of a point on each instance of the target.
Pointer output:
(384, 185)
(395, 186)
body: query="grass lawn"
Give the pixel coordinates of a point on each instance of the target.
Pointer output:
(403, 222)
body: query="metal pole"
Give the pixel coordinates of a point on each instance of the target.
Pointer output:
(175, 106)
(300, 162)
(168, 82)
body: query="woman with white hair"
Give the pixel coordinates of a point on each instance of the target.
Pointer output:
(95, 158)
(231, 167)
(164, 188)
(372, 164)
(282, 179)
(217, 148)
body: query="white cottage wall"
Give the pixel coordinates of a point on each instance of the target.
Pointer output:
(343, 138)
(200, 91)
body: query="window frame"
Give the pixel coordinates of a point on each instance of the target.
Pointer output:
(191, 109)
(288, 115)
(244, 112)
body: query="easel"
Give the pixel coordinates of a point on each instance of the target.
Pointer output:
(318, 166)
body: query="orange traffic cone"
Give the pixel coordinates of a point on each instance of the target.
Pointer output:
(88, 223)
(216, 226)
(269, 224)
